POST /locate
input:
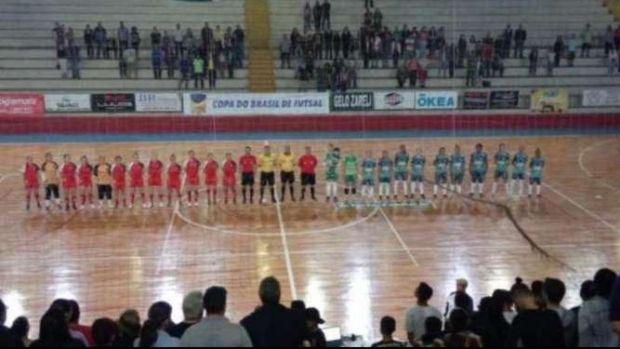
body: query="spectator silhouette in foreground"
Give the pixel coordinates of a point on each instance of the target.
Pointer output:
(192, 312)
(54, 332)
(153, 334)
(416, 316)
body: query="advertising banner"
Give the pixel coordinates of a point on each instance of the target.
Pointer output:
(21, 104)
(113, 102)
(67, 103)
(601, 98)
(394, 100)
(429, 100)
(195, 103)
(354, 101)
(504, 99)
(549, 100)
(268, 104)
(158, 102)
(476, 100)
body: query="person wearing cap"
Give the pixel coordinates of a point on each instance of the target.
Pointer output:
(215, 330)
(315, 334)
(465, 301)
(416, 316)
(192, 313)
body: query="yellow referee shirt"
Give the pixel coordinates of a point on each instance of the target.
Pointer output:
(266, 163)
(286, 162)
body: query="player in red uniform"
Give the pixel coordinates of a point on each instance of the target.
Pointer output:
(136, 181)
(174, 179)
(230, 178)
(210, 172)
(192, 173)
(247, 166)
(85, 182)
(68, 174)
(307, 165)
(155, 169)
(31, 182)
(119, 174)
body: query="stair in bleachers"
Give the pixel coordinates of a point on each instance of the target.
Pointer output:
(257, 19)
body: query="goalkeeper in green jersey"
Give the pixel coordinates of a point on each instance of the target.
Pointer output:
(350, 174)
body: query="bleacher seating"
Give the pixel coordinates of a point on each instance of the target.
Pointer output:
(28, 57)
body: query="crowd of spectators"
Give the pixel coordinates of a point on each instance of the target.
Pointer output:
(210, 54)
(524, 316)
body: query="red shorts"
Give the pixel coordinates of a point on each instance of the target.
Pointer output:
(31, 184)
(174, 185)
(137, 183)
(211, 181)
(120, 186)
(154, 182)
(193, 180)
(230, 181)
(69, 184)
(86, 184)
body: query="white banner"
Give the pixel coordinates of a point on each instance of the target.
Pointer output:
(158, 102)
(436, 100)
(601, 98)
(268, 104)
(394, 100)
(195, 103)
(68, 103)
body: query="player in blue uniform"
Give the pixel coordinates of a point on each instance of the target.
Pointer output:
(442, 162)
(502, 162)
(519, 164)
(478, 166)
(386, 167)
(401, 169)
(457, 170)
(537, 165)
(418, 161)
(369, 172)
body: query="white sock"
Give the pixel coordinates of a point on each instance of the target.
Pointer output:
(421, 185)
(494, 190)
(328, 190)
(47, 203)
(473, 188)
(507, 185)
(538, 190)
(445, 190)
(529, 189)
(521, 185)
(480, 188)
(371, 191)
(459, 188)
(413, 188)
(435, 189)
(452, 187)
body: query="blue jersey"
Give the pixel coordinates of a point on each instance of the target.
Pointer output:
(417, 164)
(536, 167)
(385, 169)
(457, 164)
(441, 164)
(502, 160)
(479, 163)
(401, 162)
(520, 163)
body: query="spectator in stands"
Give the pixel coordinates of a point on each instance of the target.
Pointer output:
(595, 328)
(211, 70)
(238, 47)
(272, 324)
(388, 327)
(105, 333)
(73, 61)
(508, 35)
(612, 61)
(376, 51)
(130, 59)
(412, 71)
(558, 50)
(123, 38)
(617, 38)
(461, 289)
(135, 41)
(218, 39)
(520, 37)
(571, 49)
(221, 65)
(346, 40)
(189, 42)
(401, 75)
(59, 38)
(307, 14)
(462, 51)
(317, 12)
(129, 329)
(74, 322)
(54, 332)
(19, 330)
(169, 60)
(192, 313)
(608, 39)
(101, 39)
(285, 52)
(470, 70)
(422, 72)
(185, 68)
(533, 61)
(486, 55)
(416, 316)
(153, 334)
(326, 15)
(111, 46)
(534, 327)
(327, 38)
(206, 34)
(433, 336)
(498, 66)
(587, 38)
(337, 43)
(157, 57)
(89, 38)
(549, 57)
(316, 337)
(155, 37)
(377, 19)
(554, 292)
(198, 65)
(458, 335)
(178, 41)
(215, 330)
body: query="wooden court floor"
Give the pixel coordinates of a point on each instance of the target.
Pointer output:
(354, 265)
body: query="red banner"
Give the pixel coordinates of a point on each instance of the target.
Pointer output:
(18, 104)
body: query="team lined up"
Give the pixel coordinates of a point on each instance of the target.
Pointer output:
(402, 173)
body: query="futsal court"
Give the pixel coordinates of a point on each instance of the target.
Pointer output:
(357, 265)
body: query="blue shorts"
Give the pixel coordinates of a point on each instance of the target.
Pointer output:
(536, 180)
(385, 180)
(368, 182)
(477, 177)
(457, 178)
(441, 178)
(417, 178)
(400, 176)
(518, 176)
(501, 175)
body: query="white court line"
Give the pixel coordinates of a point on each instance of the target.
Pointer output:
(399, 238)
(585, 170)
(164, 249)
(578, 205)
(287, 254)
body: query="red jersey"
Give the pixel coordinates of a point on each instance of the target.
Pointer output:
(136, 174)
(85, 175)
(210, 172)
(174, 176)
(192, 170)
(68, 172)
(118, 176)
(307, 164)
(230, 172)
(31, 176)
(247, 163)
(155, 169)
